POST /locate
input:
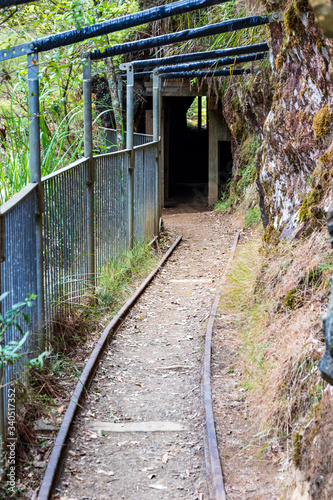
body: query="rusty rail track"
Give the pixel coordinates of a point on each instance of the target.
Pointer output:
(54, 466)
(212, 450)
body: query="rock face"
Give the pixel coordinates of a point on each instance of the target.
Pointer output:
(288, 107)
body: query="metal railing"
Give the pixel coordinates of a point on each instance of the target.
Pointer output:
(65, 235)
(145, 190)
(18, 277)
(109, 138)
(110, 206)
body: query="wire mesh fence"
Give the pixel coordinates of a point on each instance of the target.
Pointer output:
(65, 236)
(145, 192)
(18, 277)
(111, 185)
(108, 138)
(66, 275)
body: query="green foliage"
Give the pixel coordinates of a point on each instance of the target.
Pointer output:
(234, 10)
(60, 73)
(225, 202)
(252, 217)
(192, 113)
(117, 275)
(13, 350)
(61, 143)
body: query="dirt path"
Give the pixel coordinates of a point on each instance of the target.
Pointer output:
(151, 373)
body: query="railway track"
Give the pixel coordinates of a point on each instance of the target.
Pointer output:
(140, 431)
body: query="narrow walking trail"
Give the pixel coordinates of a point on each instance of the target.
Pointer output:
(140, 433)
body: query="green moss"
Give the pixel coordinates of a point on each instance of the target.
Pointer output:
(271, 235)
(319, 182)
(290, 298)
(292, 22)
(319, 44)
(277, 95)
(321, 122)
(310, 199)
(278, 62)
(297, 449)
(326, 160)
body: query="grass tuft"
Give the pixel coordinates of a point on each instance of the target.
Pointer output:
(118, 276)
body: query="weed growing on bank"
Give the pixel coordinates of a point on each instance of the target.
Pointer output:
(275, 301)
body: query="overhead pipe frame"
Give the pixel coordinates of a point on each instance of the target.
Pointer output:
(213, 63)
(190, 34)
(106, 27)
(207, 74)
(197, 56)
(199, 74)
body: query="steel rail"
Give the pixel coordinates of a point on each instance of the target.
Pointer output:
(17, 198)
(106, 27)
(59, 448)
(212, 63)
(208, 74)
(213, 450)
(199, 74)
(197, 56)
(190, 34)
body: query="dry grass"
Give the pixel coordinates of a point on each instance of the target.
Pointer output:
(276, 302)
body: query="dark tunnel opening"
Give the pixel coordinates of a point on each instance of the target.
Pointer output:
(186, 175)
(186, 154)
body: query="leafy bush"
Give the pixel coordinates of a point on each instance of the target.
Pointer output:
(12, 351)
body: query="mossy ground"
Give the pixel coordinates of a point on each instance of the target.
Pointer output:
(321, 122)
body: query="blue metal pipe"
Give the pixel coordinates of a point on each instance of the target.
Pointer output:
(198, 56)
(121, 23)
(212, 62)
(11, 3)
(199, 74)
(181, 36)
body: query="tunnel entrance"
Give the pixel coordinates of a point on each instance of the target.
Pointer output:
(186, 153)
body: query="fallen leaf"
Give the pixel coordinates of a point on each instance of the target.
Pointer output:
(39, 465)
(100, 471)
(158, 486)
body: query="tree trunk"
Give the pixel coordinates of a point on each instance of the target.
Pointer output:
(112, 81)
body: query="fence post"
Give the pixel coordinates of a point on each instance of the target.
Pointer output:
(2, 389)
(199, 112)
(157, 138)
(88, 153)
(35, 176)
(129, 145)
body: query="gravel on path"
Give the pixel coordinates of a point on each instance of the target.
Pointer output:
(150, 377)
